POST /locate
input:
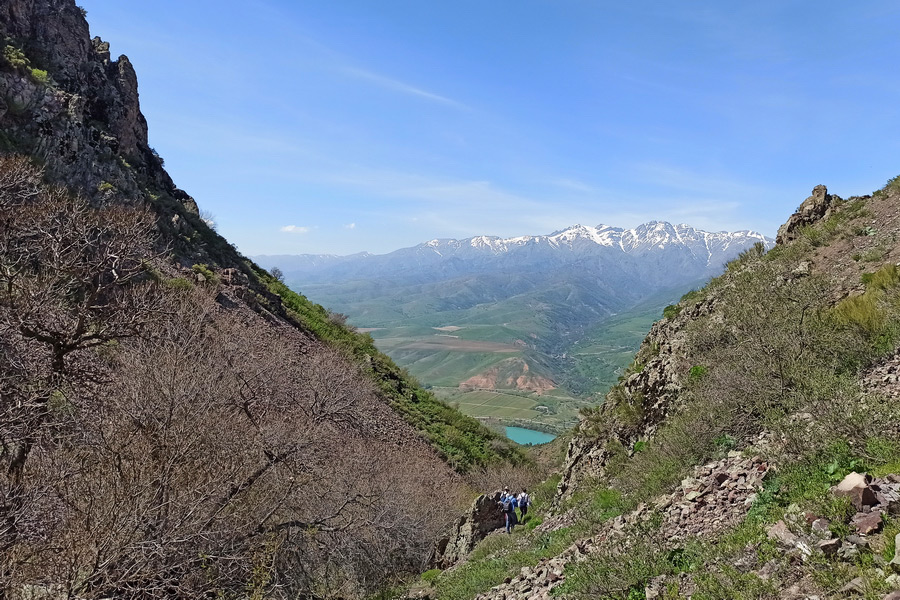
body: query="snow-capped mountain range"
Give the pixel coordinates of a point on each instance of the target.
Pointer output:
(656, 243)
(655, 234)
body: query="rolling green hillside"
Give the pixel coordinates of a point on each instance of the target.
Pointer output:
(467, 339)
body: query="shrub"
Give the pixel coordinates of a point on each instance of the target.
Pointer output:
(208, 274)
(431, 575)
(39, 75)
(14, 57)
(751, 254)
(891, 187)
(875, 311)
(671, 311)
(696, 373)
(179, 283)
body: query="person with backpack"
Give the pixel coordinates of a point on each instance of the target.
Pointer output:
(524, 501)
(508, 506)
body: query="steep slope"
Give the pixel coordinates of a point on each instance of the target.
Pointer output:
(175, 422)
(80, 117)
(751, 450)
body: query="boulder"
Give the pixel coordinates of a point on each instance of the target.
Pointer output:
(484, 517)
(856, 487)
(867, 523)
(829, 547)
(780, 532)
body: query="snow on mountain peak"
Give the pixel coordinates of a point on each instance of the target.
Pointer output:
(643, 238)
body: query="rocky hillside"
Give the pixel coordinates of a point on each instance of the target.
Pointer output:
(66, 103)
(174, 421)
(751, 450)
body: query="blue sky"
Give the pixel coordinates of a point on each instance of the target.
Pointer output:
(338, 126)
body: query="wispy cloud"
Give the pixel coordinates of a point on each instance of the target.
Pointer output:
(400, 86)
(350, 226)
(294, 229)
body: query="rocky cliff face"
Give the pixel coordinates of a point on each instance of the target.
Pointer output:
(656, 387)
(64, 101)
(482, 518)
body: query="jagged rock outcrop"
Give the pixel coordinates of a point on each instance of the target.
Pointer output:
(654, 391)
(816, 207)
(482, 518)
(83, 118)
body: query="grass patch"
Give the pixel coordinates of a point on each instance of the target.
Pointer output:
(498, 557)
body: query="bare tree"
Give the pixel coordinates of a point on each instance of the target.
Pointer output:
(156, 444)
(67, 283)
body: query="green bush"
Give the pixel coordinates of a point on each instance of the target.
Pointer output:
(697, 372)
(891, 187)
(671, 311)
(208, 274)
(431, 575)
(15, 58)
(179, 283)
(39, 75)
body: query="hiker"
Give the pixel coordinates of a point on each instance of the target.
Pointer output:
(524, 501)
(508, 506)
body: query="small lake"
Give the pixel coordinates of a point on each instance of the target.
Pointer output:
(526, 437)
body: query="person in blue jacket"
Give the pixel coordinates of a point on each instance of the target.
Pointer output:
(508, 506)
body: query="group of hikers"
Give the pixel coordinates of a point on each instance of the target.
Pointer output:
(509, 502)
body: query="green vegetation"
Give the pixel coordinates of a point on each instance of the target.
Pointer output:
(874, 312)
(39, 75)
(15, 58)
(462, 441)
(209, 277)
(891, 187)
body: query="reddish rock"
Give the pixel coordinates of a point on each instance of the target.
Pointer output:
(821, 525)
(867, 523)
(780, 532)
(856, 487)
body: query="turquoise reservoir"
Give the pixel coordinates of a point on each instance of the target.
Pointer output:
(528, 437)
